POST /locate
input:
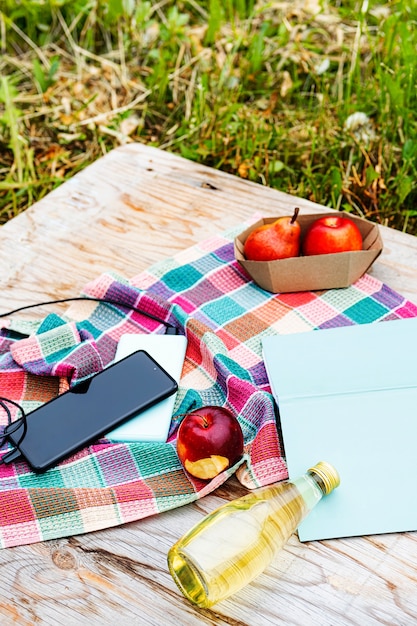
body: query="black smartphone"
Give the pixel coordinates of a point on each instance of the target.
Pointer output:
(89, 410)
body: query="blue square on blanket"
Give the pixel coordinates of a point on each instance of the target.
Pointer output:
(223, 310)
(365, 311)
(182, 278)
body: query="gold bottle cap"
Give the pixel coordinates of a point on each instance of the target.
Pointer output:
(327, 474)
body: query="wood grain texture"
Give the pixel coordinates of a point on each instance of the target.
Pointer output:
(136, 206)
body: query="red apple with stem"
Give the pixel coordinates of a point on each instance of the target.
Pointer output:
(209, 440)
(332, 233)
(278, 240)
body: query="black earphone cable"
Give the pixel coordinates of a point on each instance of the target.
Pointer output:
(3, 403)
(91, 299)
(170, 330)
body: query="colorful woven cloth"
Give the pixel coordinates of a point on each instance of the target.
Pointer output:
(207, 296)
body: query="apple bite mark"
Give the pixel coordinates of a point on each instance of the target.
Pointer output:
(209, 440)
(207, 468)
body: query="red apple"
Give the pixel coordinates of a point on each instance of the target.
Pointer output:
(209, 441)
(332, 233)
(278, 240)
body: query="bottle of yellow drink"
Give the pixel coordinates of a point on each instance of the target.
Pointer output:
(235, 543)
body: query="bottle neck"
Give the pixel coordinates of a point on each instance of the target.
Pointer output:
(310, 490)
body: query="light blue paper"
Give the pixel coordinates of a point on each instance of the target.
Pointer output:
(349, 396)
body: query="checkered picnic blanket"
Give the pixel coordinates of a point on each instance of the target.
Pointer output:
(206, 294)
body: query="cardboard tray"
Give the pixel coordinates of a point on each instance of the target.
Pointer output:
(311, 273)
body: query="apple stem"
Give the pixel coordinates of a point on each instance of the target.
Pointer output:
(203, 417)
(294, 217)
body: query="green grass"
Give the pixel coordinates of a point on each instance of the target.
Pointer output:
(258, 89)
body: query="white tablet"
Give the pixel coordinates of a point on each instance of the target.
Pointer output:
(152, 424)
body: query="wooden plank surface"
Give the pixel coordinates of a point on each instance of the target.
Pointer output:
(136, 206)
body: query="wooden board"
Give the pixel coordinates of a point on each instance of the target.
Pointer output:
(136, 206)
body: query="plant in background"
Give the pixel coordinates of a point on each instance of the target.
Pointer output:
(262, 90)
(10, 122)
(45, 78)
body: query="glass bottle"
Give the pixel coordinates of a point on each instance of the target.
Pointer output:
(235, 543)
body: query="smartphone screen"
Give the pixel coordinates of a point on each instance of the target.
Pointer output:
(91, 409)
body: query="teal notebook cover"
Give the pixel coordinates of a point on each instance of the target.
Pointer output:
(349, 396)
